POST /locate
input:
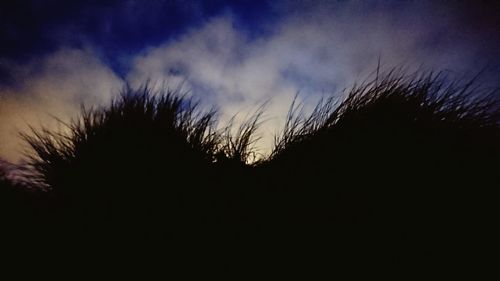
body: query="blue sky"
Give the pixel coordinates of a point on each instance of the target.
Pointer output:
(235, 55)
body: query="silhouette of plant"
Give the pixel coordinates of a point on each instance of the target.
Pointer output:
(400, 167)
(426, 100)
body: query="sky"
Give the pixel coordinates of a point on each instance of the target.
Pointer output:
(234, 55)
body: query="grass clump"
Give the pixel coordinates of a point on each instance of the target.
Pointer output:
(400, 162)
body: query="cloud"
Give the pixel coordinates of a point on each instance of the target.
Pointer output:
(54, 86)
(315, 50)
(222, 67)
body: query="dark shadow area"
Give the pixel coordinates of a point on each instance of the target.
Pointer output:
(400, 174)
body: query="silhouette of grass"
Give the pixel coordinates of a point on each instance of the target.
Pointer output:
(424, 100)
(407, 160)
(239, 146)
(133, 118)
(413, 135)
(400, 168)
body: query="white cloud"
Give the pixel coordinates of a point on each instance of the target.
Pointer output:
(314, 52)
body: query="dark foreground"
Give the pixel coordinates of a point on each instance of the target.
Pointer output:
(402, 176)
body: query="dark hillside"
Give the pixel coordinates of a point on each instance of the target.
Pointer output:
(402, 172)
